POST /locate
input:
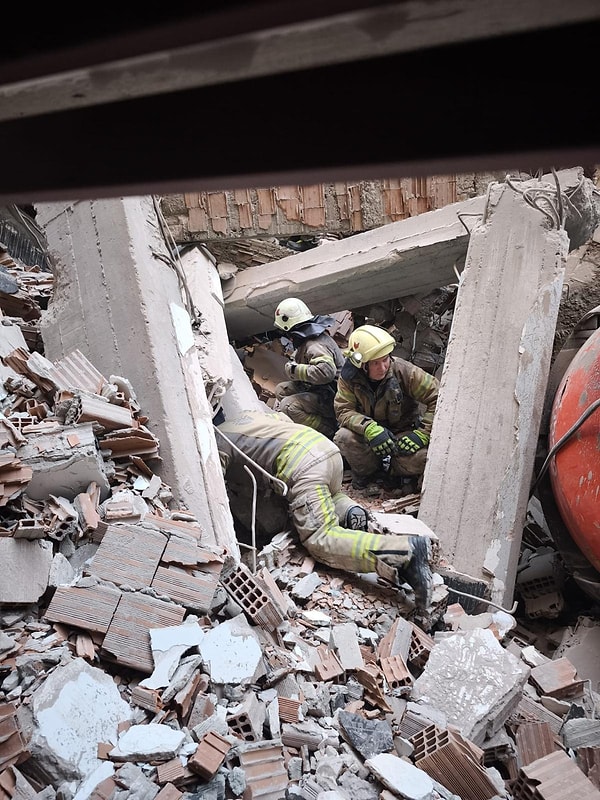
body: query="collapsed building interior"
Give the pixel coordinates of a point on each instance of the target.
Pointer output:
(288, 681)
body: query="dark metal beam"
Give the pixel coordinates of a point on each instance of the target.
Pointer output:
(523, 101)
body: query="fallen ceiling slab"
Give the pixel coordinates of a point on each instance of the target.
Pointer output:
(411, 256)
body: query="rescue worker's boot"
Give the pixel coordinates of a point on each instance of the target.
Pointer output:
(418, 571)
(356, 519)
(412, 567)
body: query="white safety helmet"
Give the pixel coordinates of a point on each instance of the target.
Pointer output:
(291, 312)
(368, 343)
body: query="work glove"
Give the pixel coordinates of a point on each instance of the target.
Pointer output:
(411, 442)
(381, 441)
(290, 369)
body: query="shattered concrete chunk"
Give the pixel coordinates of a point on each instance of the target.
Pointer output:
(345, 641)
(7, 644)
(474, 681)
(25, 569)
(61, 571)
(369, 736)
(578, 733)
(306, 586)
(65, 738)
(236, 778)
(149, 742)
(136, 786)
(358, 788)
(64, 463)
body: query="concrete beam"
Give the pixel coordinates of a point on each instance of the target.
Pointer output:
(477, 478)
(118, 300)
(415, 255)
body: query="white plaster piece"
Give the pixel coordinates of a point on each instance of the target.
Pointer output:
(316, 617)
(65, 739)
(105, 770)
(148, 743)
(232, 650)
(182, 327)
(402, 524)
(168, 645)
(401, 777)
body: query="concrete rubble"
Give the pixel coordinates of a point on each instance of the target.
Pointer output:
(140, 660)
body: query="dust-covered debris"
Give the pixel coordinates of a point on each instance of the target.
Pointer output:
(138, 661)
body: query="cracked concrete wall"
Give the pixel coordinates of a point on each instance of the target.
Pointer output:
(118, 300)
(483, 446)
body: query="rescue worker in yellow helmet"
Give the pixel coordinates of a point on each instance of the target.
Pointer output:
(378, 407)
(307, 397)
(329, 524)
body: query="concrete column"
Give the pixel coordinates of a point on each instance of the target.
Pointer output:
(119, 301)
(477, 478)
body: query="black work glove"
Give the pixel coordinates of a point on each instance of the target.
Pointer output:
(411, 442)
(381, 441)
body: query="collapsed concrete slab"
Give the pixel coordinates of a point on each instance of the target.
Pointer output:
(415, 255)
(474, 681)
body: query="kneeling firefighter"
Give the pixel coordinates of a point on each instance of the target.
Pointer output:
(307, 398)
(377, 406)
(329, 524)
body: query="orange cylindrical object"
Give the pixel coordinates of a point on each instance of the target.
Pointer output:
(575, 468)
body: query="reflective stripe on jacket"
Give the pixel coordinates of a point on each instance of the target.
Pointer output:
(272, 440)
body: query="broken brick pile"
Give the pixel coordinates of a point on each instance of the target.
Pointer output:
(137, 661)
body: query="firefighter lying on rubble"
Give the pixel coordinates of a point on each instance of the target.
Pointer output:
(377, 408)
(307, 398)
(331, 527)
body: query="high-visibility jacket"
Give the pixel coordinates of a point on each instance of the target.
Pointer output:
(392, 402)
(311, 467)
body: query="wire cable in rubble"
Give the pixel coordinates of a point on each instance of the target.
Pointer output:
(483, 600)
(554, 197)
(31, 226)
(176, 264)
(562, 441)
(253, 524)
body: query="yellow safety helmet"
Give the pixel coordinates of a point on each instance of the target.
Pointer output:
(291, 312)
(368, 343)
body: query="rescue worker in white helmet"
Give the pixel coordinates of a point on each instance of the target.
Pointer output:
(378, 406)
(329, 524)
(307, 397)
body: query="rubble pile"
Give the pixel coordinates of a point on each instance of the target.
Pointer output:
(139, 661)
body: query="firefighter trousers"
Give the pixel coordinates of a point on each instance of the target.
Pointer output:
(317, 505)
(365, 463)
(314, 409)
